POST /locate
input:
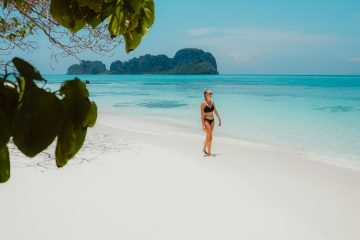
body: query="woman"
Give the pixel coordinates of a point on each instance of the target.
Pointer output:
(207, 119)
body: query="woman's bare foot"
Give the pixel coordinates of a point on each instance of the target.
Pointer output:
(205, 152)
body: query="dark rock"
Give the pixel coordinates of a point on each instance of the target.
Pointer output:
(142, 65)
(193, 56)
(87, 67)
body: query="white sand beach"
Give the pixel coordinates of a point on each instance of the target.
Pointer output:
(138, 178)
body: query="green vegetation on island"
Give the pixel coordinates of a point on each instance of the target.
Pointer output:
(90, 67)
(185, 61)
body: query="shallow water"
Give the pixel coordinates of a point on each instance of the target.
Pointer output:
(317, 114)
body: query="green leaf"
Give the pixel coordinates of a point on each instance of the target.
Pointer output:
(108, 8)
(95, 17)
(37, 121)
(129, 18)
(26, 69)
(132, 19)
(69, 141)
(92, 116)
(8, 105)
(5, 128)
(148, 13)
(77, 105)
(9, 98)
(136, 4)
(4, 164)
(132, 40)
(80, 113)
(74, 87)
(92, 18)
(93, 4)
(124, 19)
(73, 14)
(22, 83)
(117, 21)
(68, 14)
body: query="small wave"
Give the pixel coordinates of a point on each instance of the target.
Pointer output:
(121, 104)
(162, 104)
(337, 108)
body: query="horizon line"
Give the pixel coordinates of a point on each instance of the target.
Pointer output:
(243, 74)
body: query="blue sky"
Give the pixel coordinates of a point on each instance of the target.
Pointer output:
(246, 37)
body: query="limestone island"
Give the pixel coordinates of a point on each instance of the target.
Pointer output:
(185, 61)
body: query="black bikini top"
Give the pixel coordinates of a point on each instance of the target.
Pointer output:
(207, 109)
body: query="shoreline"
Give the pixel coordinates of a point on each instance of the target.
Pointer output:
(350, 164)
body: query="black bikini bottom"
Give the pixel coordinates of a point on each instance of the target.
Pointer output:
(209, 120)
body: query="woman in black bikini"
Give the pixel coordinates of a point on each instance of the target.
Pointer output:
(207, 119)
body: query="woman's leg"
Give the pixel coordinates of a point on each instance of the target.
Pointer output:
(205, 142)
(211, 128)
(208, 136)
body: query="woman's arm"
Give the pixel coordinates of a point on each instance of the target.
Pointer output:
(217, 114)
(202, 106)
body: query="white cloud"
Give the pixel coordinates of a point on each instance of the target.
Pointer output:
(239, 57)
(244, 47)
(263, 34)
(354, 59)
(200, 31)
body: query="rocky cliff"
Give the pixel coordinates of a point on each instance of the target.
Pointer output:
(87, 67)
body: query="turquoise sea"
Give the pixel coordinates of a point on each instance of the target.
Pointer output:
(316, 114)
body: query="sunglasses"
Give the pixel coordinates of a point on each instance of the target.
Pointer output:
(210, 93)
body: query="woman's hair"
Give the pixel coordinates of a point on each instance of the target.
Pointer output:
(206, 90)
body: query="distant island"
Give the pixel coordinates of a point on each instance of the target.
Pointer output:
(185, 61)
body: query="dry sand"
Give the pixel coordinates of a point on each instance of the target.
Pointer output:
(137, 178)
